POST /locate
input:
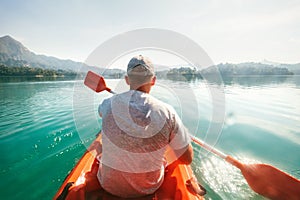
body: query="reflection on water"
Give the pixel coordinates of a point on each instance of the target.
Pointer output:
(250, 81)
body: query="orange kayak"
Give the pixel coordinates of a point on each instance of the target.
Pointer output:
(82, 183)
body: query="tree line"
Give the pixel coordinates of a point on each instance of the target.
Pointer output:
(229, 70)
(30, 71)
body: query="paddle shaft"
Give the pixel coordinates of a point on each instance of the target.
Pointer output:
(209, 148)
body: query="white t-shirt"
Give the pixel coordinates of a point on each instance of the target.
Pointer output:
(136, 131)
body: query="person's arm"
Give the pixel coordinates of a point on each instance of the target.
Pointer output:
(180, 140)
(187, 156)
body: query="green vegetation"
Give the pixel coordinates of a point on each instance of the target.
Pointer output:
(30, 71)
(183, 71)
(187, 72)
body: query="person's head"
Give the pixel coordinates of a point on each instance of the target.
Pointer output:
(140, 74)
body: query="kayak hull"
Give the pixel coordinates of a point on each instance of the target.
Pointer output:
(82, 182)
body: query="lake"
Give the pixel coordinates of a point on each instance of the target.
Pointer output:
(46, 126)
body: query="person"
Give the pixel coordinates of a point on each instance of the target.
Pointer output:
(137, 130)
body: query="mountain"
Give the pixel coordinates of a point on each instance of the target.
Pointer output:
(14, 53)
(14, 49)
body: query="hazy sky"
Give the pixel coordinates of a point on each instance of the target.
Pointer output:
(229, 31)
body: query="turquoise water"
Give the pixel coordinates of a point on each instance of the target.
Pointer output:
(46, 126)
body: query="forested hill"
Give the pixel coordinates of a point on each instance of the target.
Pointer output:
(17, 60)
(14, 54)
(37, 72)
(252, 68)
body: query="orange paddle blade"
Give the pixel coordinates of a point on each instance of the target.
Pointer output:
(266, 180)
(95, 82)
(269, 181)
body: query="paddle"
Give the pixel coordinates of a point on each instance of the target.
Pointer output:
(264, 179)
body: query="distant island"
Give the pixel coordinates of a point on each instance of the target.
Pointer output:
(17, 60)
(250, 69)
(228, 70)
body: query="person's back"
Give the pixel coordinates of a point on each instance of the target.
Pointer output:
(137, 128)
